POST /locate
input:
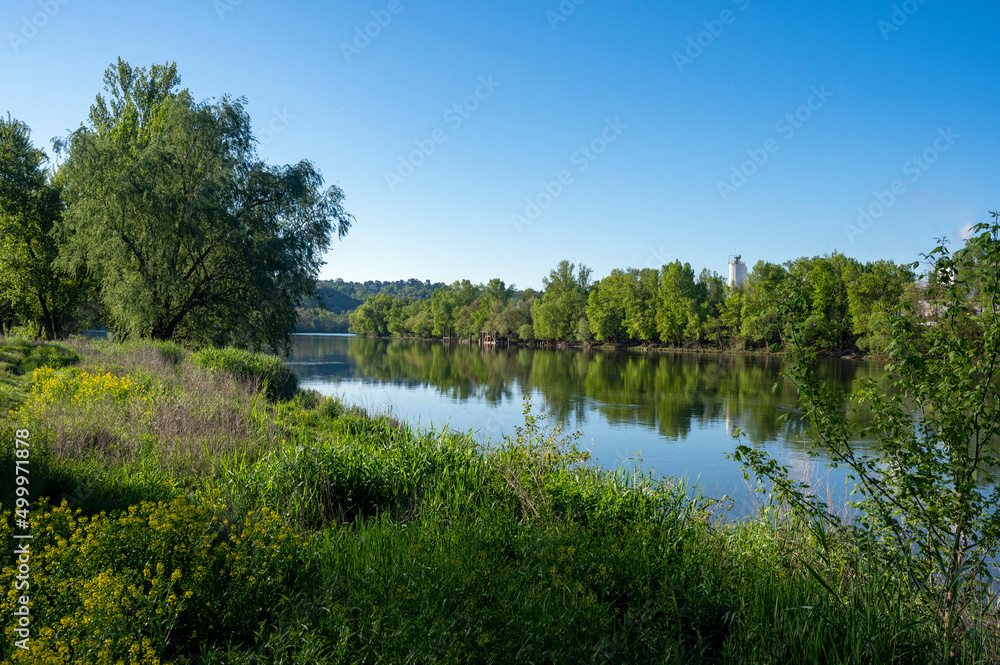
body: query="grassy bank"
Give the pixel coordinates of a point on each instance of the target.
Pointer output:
(198, 508)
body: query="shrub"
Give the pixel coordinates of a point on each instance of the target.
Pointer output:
(150, 583)
(525, 461)
(274, 376)
(925, 509)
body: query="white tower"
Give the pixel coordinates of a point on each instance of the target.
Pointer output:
(737, 271)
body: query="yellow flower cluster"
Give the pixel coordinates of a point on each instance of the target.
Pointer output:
(120, 587)
(86, 406)
(80, 387)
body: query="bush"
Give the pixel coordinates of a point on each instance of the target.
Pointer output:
(274, 376)
(926, 508)
(156, 581)
(526, 460)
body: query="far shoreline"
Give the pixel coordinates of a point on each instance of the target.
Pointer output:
(606, 346)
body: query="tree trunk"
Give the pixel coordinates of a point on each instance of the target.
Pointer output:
(50, 333)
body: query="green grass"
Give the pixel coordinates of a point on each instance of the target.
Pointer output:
(274, 376)
(307, 530)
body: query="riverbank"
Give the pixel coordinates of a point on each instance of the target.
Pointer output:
(200, 508)
(846, 354)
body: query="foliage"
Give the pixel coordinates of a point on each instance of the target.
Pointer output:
(875, 297)
(193, 237)
(607, 304)
(527, 458)
(557, 312)
(316, 485)
(848, 307)
(761, 323)
(448, 307)
(32, 285)
(339, 296)
(924, 508)
(21, 356)
(135, 423)
(380, 316)
(148, 583)
(679, 312)
(321, 321)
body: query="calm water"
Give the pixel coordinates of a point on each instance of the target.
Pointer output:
(677, 410)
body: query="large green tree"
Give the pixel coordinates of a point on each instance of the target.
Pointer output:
(640, 310)
(823, 281)
(558, 312)
(192, 235)
(32, 285)
(380, 316)
(447, 305)
(607, 303)
(679, 313)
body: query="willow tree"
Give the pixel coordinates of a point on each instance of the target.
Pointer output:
(192, 236)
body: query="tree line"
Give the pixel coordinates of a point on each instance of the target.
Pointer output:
(844, 305)
(160, 220)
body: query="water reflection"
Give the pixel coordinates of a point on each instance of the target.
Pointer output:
(677, 408)
(670, 394)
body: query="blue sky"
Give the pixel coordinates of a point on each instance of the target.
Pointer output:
(611, 134)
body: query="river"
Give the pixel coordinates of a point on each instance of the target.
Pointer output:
(673, 411)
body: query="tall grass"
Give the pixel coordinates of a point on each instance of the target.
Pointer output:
(137, 416)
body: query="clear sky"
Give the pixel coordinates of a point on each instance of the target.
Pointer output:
(493, 139)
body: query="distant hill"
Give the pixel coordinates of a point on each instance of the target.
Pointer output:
(336, 298)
